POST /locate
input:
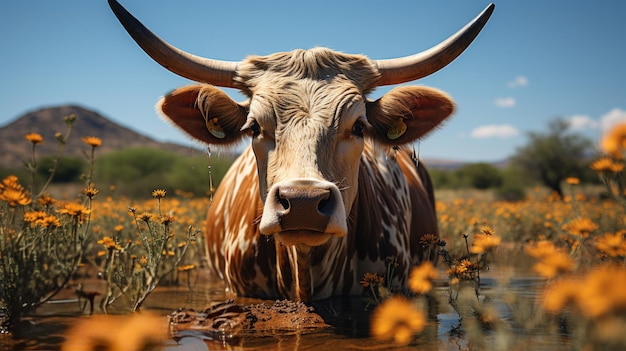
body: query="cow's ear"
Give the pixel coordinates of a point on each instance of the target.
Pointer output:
(204, 112)
(405, 114)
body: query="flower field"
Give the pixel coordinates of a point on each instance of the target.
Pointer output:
(575, 245)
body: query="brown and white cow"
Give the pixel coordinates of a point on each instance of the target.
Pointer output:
(325, 192)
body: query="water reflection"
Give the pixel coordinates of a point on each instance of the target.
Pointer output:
(347, 316)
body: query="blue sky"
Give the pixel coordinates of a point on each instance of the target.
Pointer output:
(535, 60)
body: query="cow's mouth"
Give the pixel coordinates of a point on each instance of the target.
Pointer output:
(302, 237)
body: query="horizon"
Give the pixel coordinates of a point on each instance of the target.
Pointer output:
(533, 62)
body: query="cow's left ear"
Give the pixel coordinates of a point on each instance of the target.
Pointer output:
(405, 114)
(205, 113)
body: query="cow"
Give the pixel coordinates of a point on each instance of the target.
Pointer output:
(328, 188)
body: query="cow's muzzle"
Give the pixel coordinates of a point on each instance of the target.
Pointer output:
(304, 211)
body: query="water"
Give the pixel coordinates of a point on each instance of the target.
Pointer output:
(45, 329)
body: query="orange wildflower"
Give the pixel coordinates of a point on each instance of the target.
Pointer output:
(614, 141)
(484, 243)
(371, 279)
(552, 261)
(90, 192)
(421, 278)
(606, 165)
(613, 245)
(398, 319)
(109, 243)
(15, 197)
(158, 193)
(581, 226)
(92, 141)
(34, 138)
(74, 210)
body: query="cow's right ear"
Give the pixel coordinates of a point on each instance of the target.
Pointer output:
(205, 113)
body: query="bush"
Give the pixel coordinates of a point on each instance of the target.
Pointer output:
(68, 169)
(473, 175)
(479, 175)
(137, 171)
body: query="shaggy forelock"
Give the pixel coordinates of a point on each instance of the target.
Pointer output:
(315, 64)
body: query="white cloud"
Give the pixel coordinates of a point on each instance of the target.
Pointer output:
(604, 123)
(505, 102)
(582, 122)
(495, 131)
(612, 118)
(519, 81)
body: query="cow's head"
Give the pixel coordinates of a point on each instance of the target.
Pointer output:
(308, 115)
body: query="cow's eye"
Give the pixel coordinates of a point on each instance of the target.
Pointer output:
(358, 128)
(254, 127)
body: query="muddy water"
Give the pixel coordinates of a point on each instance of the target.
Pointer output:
(46, 328)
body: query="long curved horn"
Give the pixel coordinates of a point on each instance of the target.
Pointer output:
(190, 66)
(406, 69)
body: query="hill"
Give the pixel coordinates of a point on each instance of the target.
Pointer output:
(48, 121)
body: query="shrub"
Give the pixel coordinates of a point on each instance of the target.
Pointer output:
(68, 169)
(136, 171)
(479, 175)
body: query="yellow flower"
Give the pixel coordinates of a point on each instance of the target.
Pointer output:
(613, 245)
(581, 226)
(421, 278)
(118, 228)
(572, 180)
(50, 221)
(146, 216)
(109, 243)
(541, 249)
(46, 200)
(34, 216)
(602, 291)
(606, 165)
(186, 267)
(34, 138)
(158, 193)
(167, 219)
(552, 261)
(486, 230)
(553, 265)
(429, 239)
(560, 294)
(91, 141)
(397, 318)
(41, 219)
(484, 243)
(462, 270)
(74, 210)
(13, 193)
(614, 141)
(90, 192)
(371, 279)
(15, 197)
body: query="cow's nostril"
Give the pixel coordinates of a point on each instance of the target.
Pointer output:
(326, 206)
(283, 202)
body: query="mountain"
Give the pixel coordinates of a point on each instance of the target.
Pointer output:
(48, 121)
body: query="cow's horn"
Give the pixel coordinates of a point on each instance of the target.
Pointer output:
(406, 69)
(190, 66)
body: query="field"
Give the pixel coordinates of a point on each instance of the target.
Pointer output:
(544, 266)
